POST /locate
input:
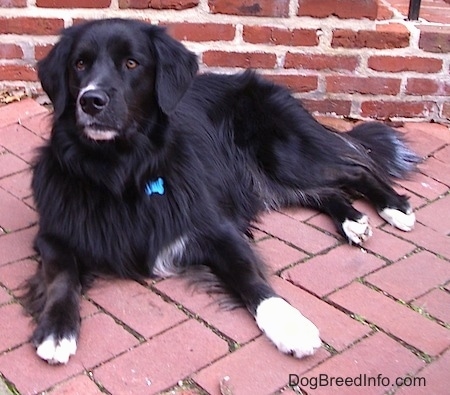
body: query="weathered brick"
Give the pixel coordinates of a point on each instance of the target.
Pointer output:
(158, 4)
(10, 51)
(296, 83)
(17, 73)
(388, 109)
(384, 37)
(369, 85)
(421, 86)
(272, 8)
(435, 39)
(41, 51)
(328, 106)
(396, 64)
(28, 25)
(446, 110)
(73, 3)
(201, 31)
(13, 3)
(239, 59)
(341, 8)
(320, 62)
(277, 36)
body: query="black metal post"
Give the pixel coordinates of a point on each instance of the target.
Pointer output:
(414, 9)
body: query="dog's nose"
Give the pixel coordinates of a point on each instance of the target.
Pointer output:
(94, 101)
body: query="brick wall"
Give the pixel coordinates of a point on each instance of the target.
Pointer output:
(356, 58)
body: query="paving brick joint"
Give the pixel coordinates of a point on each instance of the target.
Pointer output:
(383, 309)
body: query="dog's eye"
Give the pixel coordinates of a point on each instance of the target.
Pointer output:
(80, 64)
(131, 64)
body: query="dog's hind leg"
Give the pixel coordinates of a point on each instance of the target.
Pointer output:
(232, 260)
(52, 297)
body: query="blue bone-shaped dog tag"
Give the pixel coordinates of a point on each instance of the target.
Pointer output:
(156, 186)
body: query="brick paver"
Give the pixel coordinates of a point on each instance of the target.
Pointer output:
(383, 309)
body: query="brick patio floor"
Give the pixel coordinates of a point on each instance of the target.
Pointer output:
(383, 310)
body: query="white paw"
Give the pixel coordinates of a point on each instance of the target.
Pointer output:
(55, 352)
(287, 328)
(398, 219)
(357, 231)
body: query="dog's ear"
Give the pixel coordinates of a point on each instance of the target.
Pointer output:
(175, 69)
(53, 72)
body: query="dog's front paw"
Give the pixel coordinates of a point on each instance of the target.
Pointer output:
(399, 219)
(57, 351)
(287, 328)
(357, 231)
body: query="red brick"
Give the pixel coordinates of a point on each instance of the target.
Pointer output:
(446, 110)
(411, 277)
(328, 106)
(162, 361)
(5, 297)
(78, 385)
(14, 214)
(239, 59)
(40, 124)
(17, 246)
(422, 86)
(28, 25)
(425, 186)
(373, 356)
(435, 39)
(437, 214)
(73, 3)
(303, 213)
(389, 109)
(395, 64)
(257, 368)
(296, 83)
(10, 51)
(14, 274)
(436, 304)
(201, 31)
(19, 111)
(365, 85)
(436, 376)
(384, 37)
(20, 141)
(341, 8)
(297, 233)
(277, 254)
(136, 306)
(341, 265)
(394, 318)
(387, 245)
(158, 4)
(320, 62)
(15, 329)
(437, 170)
(277, 36)
(336, 328)
(422, 141)
(10, 164)
(237, 323)
(18, 73)
(13, 3)
(41, 51)
(250, 7)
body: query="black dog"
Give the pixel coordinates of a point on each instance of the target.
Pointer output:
(152, 169)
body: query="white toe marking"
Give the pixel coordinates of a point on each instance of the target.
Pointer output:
(398, 219)
(357, 231)
(57, 351)
(287, 328)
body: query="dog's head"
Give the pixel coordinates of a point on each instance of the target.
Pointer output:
(115, 73)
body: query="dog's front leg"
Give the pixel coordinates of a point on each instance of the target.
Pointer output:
(53, 297)
(232, 259)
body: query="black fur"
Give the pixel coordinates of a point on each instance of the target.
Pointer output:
(226, 147)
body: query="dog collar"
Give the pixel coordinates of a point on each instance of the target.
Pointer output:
(155, 186)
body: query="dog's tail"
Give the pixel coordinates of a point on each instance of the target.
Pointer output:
(387, 148)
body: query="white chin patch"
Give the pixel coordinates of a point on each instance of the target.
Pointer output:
(100, 135)
(287, 328)
(358, 231)
(398, 219)
(57, 352)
